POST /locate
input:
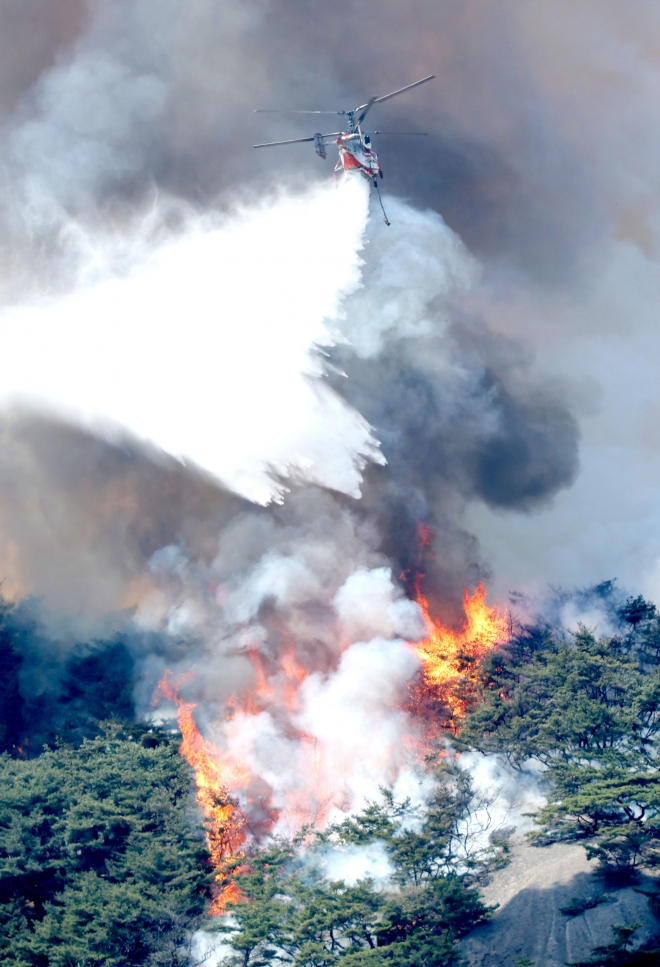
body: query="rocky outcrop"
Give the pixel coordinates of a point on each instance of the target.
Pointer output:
(531, 892)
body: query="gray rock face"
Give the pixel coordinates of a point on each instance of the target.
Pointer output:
(531, 891)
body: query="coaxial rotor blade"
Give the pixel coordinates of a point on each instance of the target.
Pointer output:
(386, 97)
(260, 110)
(272, 144)
(367, 107)
(417, 134)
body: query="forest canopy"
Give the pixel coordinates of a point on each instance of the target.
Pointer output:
(297, 915)
(587, 709)
(103, 858)
(101, 861)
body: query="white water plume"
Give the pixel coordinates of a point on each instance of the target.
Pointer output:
(204, 348)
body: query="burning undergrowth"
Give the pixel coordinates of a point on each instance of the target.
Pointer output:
(299, 748)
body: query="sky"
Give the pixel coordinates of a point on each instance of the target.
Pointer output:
(506, 323)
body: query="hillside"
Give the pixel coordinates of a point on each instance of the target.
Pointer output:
(531, 893)
(103, 859)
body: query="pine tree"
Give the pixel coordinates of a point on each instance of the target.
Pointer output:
(295, 915)
(100, 858)
(589, 710)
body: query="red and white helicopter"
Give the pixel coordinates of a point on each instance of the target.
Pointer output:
(355, 152)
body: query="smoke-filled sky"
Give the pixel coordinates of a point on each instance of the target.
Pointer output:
(499, 341)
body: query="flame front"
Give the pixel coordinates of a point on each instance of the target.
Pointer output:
(450, 659)
(214, 777)
(321, 760)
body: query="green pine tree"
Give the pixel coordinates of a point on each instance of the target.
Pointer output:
(295, 915)
(589, 711)
(101, 861)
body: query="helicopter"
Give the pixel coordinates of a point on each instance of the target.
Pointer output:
(356, 155)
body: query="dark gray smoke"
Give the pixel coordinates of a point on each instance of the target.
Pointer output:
(82, 516)
(160, 95)
(509, 443)
(134, 99)
(57, 686)
(504, 441)
(118, 110)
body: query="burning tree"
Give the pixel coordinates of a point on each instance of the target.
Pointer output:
(437, 687)
(298, 915)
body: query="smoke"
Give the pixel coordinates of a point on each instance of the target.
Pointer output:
(62, 674)
(191, 326)
(82, 516)
(542, 156)
(165, 90)
(462, 413)
(354, 863)
(289, 629)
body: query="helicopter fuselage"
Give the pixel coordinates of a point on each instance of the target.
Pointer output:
(356, 156)
(355, 152)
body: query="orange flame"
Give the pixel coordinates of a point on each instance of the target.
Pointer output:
(449, 659)
(225, 826)
(449, 663)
